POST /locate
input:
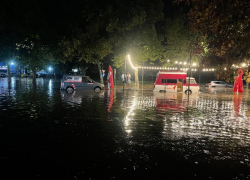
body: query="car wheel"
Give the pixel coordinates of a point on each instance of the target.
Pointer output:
(97, 89)
(70, 89)
(188, 92)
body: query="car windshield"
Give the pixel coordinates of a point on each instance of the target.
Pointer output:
(90, 80)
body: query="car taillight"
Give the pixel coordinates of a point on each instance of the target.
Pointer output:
(209, 84)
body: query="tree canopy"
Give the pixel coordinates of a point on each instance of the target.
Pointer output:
(225, 24)
(115, 29)
(93, 31)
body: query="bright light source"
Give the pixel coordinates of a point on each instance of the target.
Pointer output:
(131, 62)
(12, 63)
(50, 68)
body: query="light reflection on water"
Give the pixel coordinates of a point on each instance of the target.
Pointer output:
(141, 129)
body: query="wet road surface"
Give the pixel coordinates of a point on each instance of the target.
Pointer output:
(135, 134)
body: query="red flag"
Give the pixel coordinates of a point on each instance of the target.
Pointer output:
(110, 78)
(238, 85)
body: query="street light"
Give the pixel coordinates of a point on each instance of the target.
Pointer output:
(50, 70)
(131, 62)
(12, 67)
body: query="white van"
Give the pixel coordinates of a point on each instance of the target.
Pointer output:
(175, 81)
(81, 82)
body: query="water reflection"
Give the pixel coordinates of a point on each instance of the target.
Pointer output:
(237, 99)
(208, 116)
(133, 133)
(110, 97)
(26, 83)
(78, 97)
(175, 102)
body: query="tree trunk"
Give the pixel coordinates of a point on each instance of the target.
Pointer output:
(100, 72)
(34, 78)
(9, 76)
(136, 79)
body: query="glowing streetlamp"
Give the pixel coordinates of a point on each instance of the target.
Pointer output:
(50, 70)
(131, 62)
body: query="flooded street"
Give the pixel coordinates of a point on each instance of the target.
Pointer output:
(135, 134)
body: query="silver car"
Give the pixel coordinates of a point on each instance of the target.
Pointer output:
(219, 84)
(72, 82)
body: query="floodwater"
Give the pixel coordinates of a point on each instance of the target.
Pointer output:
(135, 134)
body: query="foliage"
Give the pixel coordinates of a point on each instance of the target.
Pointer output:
(117, 29)
(139, 37)
(33, 55)
(225, 24)
(179, 40)
(26, 34)
(94, 31)
(16, 17)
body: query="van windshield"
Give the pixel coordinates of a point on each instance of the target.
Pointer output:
(3, 71)
(192, 81)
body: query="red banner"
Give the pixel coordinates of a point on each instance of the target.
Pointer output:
(110, 80)
(238, 85)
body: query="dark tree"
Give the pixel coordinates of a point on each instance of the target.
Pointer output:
(225, 24)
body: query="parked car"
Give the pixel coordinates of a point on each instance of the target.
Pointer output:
(2, 74)
(218, 84)
(207, 84)
(72, 82)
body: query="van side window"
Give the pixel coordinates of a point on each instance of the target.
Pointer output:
(171, 80)
(84, 79)
(68, 78)
(163, 80)
(77, 79)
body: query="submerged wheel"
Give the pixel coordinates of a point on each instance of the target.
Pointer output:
(97, 89)
(188, 92)
(70, 89)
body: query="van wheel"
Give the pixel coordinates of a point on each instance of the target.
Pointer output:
(97, 89)
(70, 89)
(188, 92)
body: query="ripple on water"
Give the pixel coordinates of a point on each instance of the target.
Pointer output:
(130, 130)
